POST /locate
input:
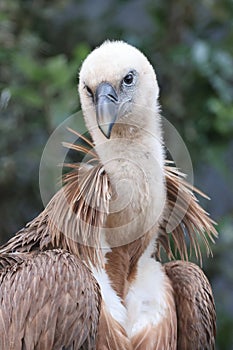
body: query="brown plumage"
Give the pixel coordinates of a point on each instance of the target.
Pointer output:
(192, 290)
(64, 286)
(186, 215)
(49, 300)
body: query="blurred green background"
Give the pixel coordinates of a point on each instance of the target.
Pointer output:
(190, 44)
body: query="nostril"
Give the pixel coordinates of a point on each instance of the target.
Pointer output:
(112, 97)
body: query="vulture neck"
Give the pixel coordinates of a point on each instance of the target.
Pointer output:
(133, 159)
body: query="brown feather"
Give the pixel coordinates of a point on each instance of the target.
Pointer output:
(184, 218)
(194, 304)
(42, 297)
(111, 336)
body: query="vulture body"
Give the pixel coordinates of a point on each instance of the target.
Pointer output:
(86, 273)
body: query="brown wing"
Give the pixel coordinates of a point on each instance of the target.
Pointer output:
(48, 301)
(195, 306)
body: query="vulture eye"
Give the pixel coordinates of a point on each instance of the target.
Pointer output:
(128, 79)
(89, 91)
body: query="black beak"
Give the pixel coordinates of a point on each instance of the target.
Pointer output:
(106, 100)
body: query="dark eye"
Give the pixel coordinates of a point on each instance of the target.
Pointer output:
(89, 91)
(128, 79)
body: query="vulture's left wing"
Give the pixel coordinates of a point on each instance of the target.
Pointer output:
(195, 307)
(50, 300)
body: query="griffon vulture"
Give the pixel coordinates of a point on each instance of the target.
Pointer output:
(86, 273)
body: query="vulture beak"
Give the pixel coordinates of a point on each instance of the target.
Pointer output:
(106, 100)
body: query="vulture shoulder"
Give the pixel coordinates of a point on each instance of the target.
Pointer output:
(195, 306)
(49, 300)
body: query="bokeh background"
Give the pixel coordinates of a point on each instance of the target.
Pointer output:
(190, 43)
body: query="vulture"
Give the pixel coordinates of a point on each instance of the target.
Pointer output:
(89, 271)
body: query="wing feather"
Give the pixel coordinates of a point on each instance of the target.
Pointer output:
(49, 300)
(194, 304)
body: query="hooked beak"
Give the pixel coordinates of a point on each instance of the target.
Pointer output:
(106, 100)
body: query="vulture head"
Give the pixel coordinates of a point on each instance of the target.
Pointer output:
(117, 83)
